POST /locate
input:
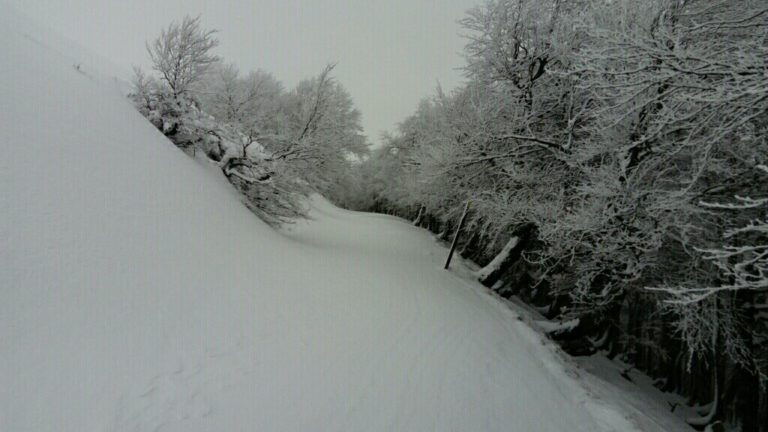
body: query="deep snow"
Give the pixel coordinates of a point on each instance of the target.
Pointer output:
(138, 294)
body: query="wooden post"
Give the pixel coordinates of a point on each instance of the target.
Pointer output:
(456, 236)
(417, 221)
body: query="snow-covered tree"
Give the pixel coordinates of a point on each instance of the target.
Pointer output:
(181, 54)
(252, 102)
(319, 134)
(227, 136)
(621, 131)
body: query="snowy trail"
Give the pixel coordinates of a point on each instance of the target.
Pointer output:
(438, 353)
(373, 336)
(138, 294)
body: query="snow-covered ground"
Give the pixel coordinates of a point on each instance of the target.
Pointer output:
(138, 294)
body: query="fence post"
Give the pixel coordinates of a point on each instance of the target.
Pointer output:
(417, 221)
(456, 236)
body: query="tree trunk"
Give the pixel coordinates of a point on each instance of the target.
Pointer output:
(508, 256)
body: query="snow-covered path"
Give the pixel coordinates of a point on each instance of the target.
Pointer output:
(429, 350)
(138, 294)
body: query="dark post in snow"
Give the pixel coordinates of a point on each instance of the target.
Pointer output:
(456, 236)
(417, 221)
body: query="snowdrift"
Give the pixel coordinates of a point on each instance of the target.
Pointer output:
(137, 293)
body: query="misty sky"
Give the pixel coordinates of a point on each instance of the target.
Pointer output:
(390, 53)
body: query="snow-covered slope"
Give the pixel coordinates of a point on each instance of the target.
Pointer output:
(138, 294)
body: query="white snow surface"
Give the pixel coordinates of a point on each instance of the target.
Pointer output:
(137, 293)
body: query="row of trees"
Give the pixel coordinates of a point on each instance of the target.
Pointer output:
(274, 145)
(618, 149)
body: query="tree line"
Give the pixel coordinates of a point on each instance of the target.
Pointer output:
(274, 145)
(616, 157)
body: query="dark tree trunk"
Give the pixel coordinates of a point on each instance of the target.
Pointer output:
(456, 236)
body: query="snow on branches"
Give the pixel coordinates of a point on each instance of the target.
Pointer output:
(627, 132)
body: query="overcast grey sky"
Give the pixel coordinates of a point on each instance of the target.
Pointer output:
(390, 53)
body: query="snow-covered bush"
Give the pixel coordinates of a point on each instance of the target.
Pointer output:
(273, 145)
(181, 56)
(269, 187)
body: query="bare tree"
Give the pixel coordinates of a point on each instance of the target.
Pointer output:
(181, 54)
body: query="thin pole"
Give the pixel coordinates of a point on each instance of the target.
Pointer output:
(456, 236)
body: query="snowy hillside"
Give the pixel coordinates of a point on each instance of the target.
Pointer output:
(137, 293)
